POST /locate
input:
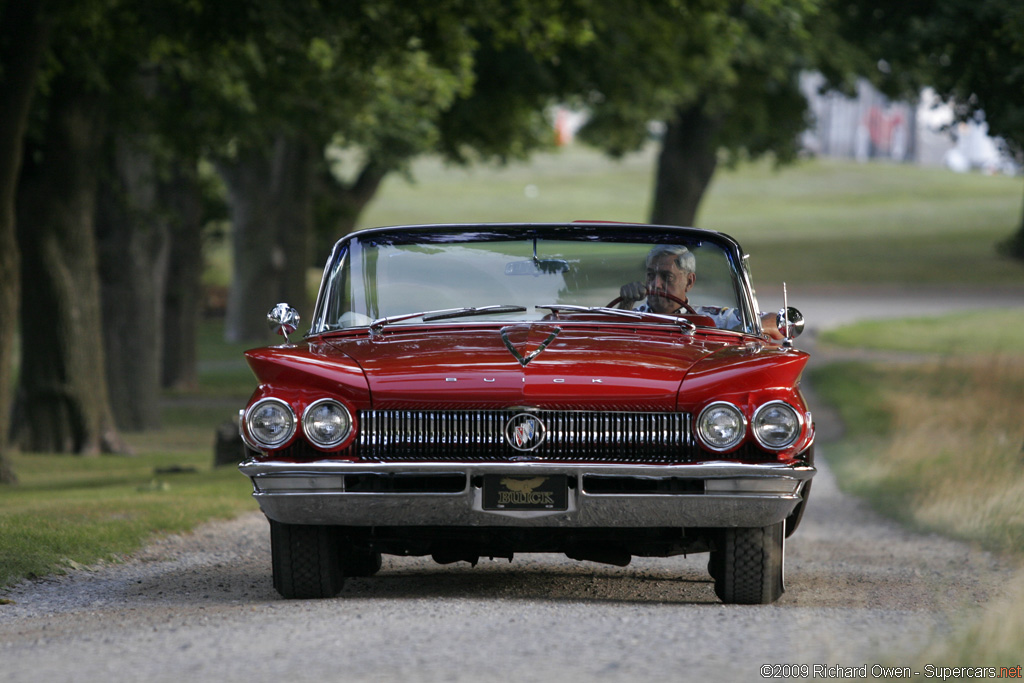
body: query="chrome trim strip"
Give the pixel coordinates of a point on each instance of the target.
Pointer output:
(738, 495)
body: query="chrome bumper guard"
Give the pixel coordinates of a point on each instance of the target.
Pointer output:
(710, 494)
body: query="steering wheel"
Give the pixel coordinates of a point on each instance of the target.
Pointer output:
(663, 294)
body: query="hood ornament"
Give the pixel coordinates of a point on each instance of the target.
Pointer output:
(525, 359)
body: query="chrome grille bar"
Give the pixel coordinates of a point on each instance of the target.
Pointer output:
(479, 435)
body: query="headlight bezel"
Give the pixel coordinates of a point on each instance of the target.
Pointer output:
(796, 430)
(256, 438)
(721, 446)
(307, 416)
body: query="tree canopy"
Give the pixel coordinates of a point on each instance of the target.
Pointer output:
(971, 52)
(130, 97)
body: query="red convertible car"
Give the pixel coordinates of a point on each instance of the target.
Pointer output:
(594, 389)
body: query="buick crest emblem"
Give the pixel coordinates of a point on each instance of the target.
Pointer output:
(525, 432)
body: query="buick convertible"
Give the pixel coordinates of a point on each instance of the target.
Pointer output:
(598, 390)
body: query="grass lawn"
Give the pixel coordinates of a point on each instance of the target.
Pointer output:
(820, 221)
(70, 510)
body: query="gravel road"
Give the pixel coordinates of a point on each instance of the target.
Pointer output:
(861, 590)
(201, 607)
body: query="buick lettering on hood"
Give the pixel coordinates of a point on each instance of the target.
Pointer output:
(600, 390)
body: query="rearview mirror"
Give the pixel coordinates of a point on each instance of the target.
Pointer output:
(536, 267)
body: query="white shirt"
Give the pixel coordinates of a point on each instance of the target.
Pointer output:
(725, 318)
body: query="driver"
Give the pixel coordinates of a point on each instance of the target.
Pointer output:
(672, 270)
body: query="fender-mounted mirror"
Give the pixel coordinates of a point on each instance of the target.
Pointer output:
(790, 322)
(283, 320)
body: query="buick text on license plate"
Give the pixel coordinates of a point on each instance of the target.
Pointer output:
(503, 492)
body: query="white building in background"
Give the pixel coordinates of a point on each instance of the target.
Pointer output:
(871, 126)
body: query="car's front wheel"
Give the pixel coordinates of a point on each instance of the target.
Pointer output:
(747, 566)
(306, 560)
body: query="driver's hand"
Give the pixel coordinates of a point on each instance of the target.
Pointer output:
(633, 292)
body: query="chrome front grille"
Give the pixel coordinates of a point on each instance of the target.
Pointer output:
(479, 436)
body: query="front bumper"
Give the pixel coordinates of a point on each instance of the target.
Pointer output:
(713, 494)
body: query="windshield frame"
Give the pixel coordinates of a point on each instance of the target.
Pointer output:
(580, 231)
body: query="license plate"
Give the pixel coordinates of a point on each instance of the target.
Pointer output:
(503, 492)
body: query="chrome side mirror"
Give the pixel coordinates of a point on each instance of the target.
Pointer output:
(790, 322)
(283, 320)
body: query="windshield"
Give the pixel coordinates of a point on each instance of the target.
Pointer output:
(504, 276)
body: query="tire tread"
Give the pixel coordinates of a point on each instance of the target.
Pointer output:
(749, 564)
(306, 561)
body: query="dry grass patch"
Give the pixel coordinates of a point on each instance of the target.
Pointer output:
(940, 446)
(952, 459)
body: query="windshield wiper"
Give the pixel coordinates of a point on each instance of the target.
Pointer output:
(622, 313)
(469, 311)
(446, 313)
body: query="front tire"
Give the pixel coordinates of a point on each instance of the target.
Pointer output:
(748, 565)
(306, 560)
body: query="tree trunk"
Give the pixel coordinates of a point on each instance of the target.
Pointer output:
(1014, 247)
(292, 186)
(342, 204)
(132, 243)
(182, 197)
(62, 402)
(270, 196)
(23, 40)
(686, 165)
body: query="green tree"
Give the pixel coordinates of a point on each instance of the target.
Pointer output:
(372, 80)
(169, 104)
(721, 76)
(91, 234)
(63, 402)
(326, 78)
(969, 51)
(24, 34)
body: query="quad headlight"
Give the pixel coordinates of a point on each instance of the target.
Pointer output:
(777, 425)
(721, 426)
(326, 423)
(270, 422)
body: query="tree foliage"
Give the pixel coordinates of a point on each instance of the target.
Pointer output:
(373, 77)
(306, 107)
(970, 51)
(722, 75)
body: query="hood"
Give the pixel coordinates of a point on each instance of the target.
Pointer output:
(531, 365)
